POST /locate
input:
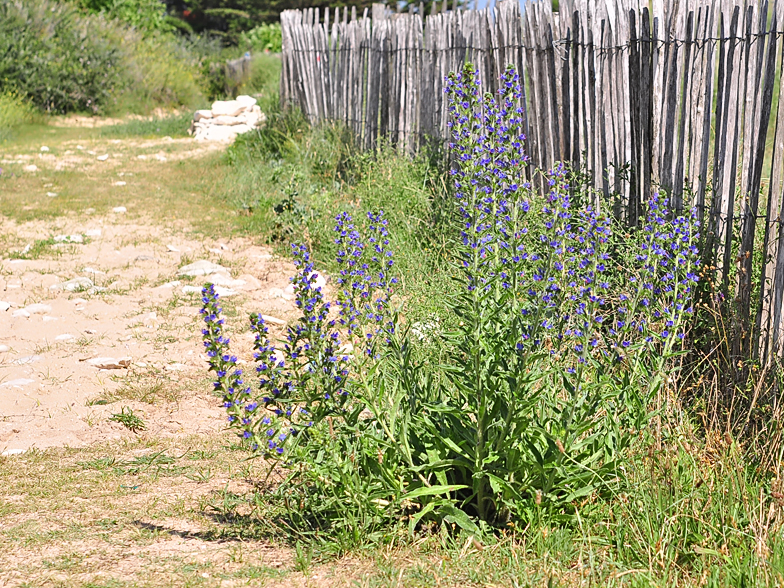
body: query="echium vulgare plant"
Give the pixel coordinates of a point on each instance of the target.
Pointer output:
(562, 337)
(563, 331)
(305, 378)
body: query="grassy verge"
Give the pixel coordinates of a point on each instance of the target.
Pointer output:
(193, 512)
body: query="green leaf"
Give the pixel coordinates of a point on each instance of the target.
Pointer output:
(413, 521)
(433, 491)
(454, 515)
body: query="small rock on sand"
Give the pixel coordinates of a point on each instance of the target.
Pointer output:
(273, 320)
(119, 210)
(28, 359)
(31, 168)
(4, 306)
(18, 383)
(224, 280)
(201, 268)
(64, 337)
(4, 349)
(69, 239)
(75, 285)
(103, 157)
(221, 291)
(38, 308)
(21, 313)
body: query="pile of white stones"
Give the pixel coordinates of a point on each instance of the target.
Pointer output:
(227, 119)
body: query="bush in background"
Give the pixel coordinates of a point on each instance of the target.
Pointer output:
(14, 111)
(146, 15)
(59, 59)
(65, 61)
(265, 37)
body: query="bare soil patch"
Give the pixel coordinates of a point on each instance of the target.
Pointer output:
(138, 311)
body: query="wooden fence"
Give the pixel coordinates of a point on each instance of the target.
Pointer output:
(671, 94)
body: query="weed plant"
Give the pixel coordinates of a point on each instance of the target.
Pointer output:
(561, 343)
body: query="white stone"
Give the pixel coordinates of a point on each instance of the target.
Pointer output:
(202, 114)
(119, 210)
(220, 134)
(246, 101)
(69, 239)
(224, 280)
(92, 233)
(44, 148)
(119, 183)
(103, 157)
(91, 270)
(4, 349)
(273, 320)
(172, 248)
(151, 320)
(4, 305)
(227, 120)
(80, 147)
(38, 308)
(9, 452)
(224, 292)
(48, 318)
(227, 108)
(64, 337)
(75, 285)
(51, 194)
(28, 359)
(30, 168)
(18, 383)
(173, 284)
(191, 290)
(21, 313)
(201, 268)
(278, 293)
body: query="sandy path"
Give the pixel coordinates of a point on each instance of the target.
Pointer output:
(140, 313)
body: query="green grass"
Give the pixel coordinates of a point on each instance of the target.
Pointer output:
(693, 516)
(171, 126)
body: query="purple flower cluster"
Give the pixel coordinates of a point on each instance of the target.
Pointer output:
(487, 139)
(548, 266)
(228, 377)
(364, 280)
(306, 378)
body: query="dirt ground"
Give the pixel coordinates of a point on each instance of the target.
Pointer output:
(134, 310)
(95, 315)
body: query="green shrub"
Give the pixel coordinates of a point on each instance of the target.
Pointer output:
(14, 111)
(265, 37)
(65, 61)
(158, 71)
(146, 15)
(59, 59)
(559, 336)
